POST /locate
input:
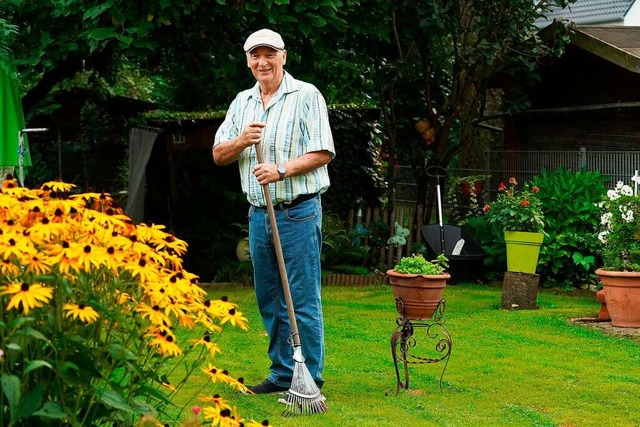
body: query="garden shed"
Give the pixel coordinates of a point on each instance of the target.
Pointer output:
(589, 97)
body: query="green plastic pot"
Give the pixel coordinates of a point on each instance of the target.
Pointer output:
(523, 248)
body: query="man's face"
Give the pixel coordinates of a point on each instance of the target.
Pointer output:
(266, 64)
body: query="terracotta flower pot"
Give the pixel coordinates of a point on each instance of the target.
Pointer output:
(622, 295)
(417, 296)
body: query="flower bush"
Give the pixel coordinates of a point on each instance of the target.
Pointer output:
(620, 228)
(516, 210)
(97, 316)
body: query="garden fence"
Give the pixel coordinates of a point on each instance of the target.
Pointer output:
(500, 166)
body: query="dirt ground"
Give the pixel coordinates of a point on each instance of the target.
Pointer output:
(607, 328)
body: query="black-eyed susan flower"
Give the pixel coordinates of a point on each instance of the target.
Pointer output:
(142, 268)
(217, 401)
(88, 256)
(222, 417)
(206, 342)
(61, 255)
(9, 268)
(58, 186)
(36, 264)
(236, 318)
(154, 314)
(164, 341)
(14, 245)
(28, 295)
(83, 312)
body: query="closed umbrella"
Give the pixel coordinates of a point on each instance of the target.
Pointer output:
(12, 119)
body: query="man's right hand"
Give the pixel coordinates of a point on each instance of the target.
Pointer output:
(252, 134)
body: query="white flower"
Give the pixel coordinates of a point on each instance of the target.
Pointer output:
(626, 191)
(636, 179)
(602, 236)
(605, 219)
(619, 185)
(613, 195)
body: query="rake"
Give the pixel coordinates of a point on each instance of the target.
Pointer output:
(303, 397)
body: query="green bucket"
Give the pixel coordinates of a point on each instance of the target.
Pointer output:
(522, 251)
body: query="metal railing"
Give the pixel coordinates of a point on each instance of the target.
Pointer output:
(501, 165)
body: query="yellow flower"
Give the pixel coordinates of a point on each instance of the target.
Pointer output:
(164, 341)
(88, 256)
(16, 246)
(205, 341)
(155, 315)
(221, 417)
(30, 296)
(36, 265)
(8, 268)
(59, 186)
(84, 312)
(217, 400)
(143, 268)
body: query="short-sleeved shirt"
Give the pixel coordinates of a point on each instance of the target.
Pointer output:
(297, 123)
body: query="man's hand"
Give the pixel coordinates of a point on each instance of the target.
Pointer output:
(252, 134)
(266, 173)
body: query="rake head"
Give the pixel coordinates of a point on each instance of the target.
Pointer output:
(304, 397)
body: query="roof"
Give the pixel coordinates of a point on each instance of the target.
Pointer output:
(588, 12)
(620, 45)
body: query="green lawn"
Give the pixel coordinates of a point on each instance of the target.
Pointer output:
(520, 368)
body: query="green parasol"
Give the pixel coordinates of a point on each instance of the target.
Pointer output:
(12, 119)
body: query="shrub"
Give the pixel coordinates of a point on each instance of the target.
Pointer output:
(568, 255)
(96, 312)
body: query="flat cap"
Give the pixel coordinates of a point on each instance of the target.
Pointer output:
(264, 37)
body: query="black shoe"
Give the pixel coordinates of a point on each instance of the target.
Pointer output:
(267, 387)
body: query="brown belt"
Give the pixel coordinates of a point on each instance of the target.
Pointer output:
(292, 204)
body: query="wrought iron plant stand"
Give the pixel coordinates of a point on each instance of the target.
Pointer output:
(405, 338)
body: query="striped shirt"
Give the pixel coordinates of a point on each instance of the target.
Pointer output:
(297, 123)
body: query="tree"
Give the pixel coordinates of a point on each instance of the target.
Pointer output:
(188, 46)
(436, 62)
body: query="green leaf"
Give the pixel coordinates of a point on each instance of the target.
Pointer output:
(51, 410)
(35, 364)
(113, 399)
(152, 392)
(31, 401)
(11, 390)
(33, 333)
(14, 346)
(97, 10)
(102, 34)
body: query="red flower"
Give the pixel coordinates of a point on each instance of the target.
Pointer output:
(535, 189)
(525, 203)
(486, 208)
(502, 187)
(513, 181)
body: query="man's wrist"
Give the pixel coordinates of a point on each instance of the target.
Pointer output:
(282, 171)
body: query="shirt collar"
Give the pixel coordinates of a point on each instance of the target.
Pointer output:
(287, 85)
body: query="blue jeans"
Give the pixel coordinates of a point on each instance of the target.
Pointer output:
(301, 240)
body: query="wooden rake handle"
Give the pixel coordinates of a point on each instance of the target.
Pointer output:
(278, 247)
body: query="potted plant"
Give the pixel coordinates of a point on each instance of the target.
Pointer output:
(620, 238)
(519, 214)
(465, 196)
(418, 285)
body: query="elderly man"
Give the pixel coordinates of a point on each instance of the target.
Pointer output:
(289, 117)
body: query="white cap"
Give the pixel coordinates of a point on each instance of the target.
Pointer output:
(264, 37)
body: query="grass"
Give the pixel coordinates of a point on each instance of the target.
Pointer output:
(515, 368)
